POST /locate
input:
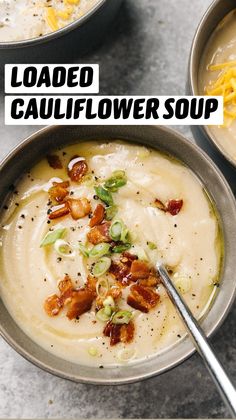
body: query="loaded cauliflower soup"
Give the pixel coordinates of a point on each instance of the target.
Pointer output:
(25, 19)
(217, 76)
(81, 234)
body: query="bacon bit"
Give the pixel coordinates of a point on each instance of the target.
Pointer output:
(81, 302)
(66, 288)
(77, 169)
(115, 292)
(119, 332)
(99, 234)
(151, 281)
(54, 161)
(52, 305)
(59, 211)
(59, 191)
(79, 207)
(78, 301)
(139, 270)
(98, 216)
(174, 206)
(91, 283)
(120, 270)
(142, 298)
(160, 205)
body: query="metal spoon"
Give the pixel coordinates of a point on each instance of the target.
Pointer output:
(222, 381)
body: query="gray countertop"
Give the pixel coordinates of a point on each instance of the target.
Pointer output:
(147, 53)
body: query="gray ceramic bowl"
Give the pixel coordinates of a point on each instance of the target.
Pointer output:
(213, 16)
(59, 46)
(35, 147)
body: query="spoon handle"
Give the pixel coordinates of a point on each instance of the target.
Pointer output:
(205, 350)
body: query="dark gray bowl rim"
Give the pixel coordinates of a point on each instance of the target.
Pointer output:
(55, 34)
(192, 71)
(133, 377)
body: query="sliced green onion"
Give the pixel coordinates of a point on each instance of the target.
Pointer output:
(122, 317)
(116, 230)
(108, 311)
(102, 315)
(99, 250)
(109, 301)
(184, 284)
(64, 249)
(117, 180)
(102, 287)
(152, 246)
(92, 351)
(104, 195)
(111, 212)
(125, 235)
(51, 237)
(83, 250)
(121, 248)
(101, 267)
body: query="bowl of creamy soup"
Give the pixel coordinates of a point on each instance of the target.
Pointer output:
(213, 69)
(72, 26)
(85, 218)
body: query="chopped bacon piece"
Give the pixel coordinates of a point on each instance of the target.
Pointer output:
(91, 283)
(115, 292)
(79, 207)
(66, 288)
(151, 281)
(142, 298)
(139, 270)
(53, 305)
(77, 168)
(174, 206)
(120, 271)
(160, 205)
(59, 191)
(54, 161)
(59, 211)
(119, 332)
(99, 234)
(81, 302)
(98, 216)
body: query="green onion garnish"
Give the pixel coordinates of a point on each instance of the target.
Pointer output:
(121, 248)
(152, 246)
(109, 301)
(51, 237)
(102, 287)
(101, 267)
(122, 317)
(83, 250)
(92, 351)
(103, 314)
(64, 249)
(99, 250)
(117, 180)
(116, 230)
(111, 212)
(104, 195)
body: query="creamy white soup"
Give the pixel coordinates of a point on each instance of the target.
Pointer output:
(25, 19)
(217, 76)
(80, 236)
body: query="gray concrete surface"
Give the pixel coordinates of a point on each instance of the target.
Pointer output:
(146, 53)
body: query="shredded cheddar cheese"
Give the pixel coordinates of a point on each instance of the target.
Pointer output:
(51, 18)
(225, 85)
